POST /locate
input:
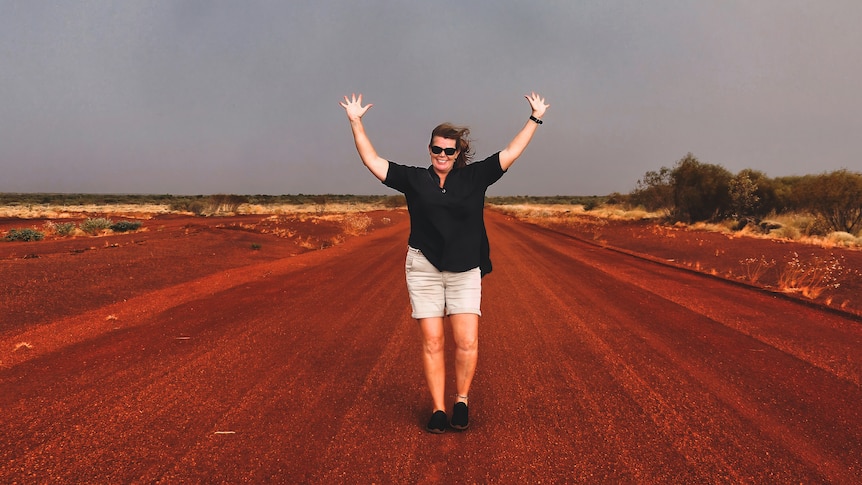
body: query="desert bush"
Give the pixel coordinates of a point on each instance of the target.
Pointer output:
(59, 228)
(768, 192)
(50, 227)
(841, 238)
(64, 228)
(787, 232)
(654, 191)
(701, 191)
(125, 226)
(796, 226)
(814, 226)
(24, 235)
(356, 224)
(195, 205)
(692, 191)
(743, 195)
(221, 203)
(95, 225)
(834, 196)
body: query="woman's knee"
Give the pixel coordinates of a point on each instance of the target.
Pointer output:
(465, 329)
(433, 336)
(467, 343)
(433, 344)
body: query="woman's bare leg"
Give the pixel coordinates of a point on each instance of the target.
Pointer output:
(465, 329)
(433, 340)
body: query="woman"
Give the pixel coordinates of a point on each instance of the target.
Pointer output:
(448, 248)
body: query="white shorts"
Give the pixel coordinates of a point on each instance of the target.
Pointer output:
(435, 293)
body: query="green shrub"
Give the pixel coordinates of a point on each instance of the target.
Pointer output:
(64, 228)
(24, 235)
(836, 197)
(744, 200)
(59, 228)
(95, 225)
(125, 226)
(654, 191)
(197, 208)
(701, 191)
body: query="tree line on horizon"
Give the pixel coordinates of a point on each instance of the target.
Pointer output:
(690, 191)
(693, 191)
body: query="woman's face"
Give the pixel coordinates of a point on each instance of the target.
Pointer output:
(442, 163)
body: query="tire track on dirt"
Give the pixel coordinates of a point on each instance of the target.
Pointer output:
(619, 407)
(654, 357)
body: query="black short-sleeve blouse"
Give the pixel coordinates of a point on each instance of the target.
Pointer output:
(447, 223)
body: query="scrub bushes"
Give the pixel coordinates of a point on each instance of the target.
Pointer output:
(125, 226)
(24, 235)
(692, 191)
(95, 225)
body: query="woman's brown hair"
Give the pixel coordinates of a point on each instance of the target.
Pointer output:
(461, 136)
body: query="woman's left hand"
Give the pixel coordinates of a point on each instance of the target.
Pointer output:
(538, 104)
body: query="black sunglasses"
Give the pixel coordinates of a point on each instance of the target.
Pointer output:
(448, 151)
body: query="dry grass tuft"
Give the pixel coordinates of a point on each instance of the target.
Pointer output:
(308, 243)
(754, 268)
(813, 276)
(710, 227)
(356, 224)
(841, 239)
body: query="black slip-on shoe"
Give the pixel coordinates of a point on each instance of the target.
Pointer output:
(437, 423)
(460, 417)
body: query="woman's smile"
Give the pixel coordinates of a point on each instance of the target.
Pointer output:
(442, 162)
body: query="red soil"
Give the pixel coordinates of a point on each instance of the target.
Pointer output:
(222, 350)
(759, 262)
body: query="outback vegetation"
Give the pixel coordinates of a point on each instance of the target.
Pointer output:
(90, 226)
(693, 191)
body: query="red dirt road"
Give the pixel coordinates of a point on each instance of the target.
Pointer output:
(595, 367)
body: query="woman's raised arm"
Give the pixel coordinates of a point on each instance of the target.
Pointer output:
(515, 147)
(355, 111)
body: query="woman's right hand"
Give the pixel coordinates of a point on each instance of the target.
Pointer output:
(353, 107)
(378, 165)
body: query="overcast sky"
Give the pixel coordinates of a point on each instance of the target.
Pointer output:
(206, 96)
